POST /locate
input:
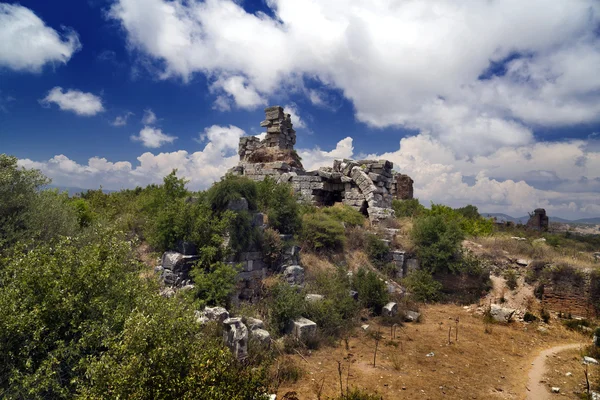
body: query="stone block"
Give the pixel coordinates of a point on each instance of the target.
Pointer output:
(260, 335)
(302, 328)
(313, 298)
(294, 275)
(412, 316)
(235, 336)
(254, 323)
(216, 313)
(390, 310)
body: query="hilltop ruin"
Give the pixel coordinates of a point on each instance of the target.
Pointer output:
(366, 185)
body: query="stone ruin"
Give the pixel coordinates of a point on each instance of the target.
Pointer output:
(538, 220)
(366, 185)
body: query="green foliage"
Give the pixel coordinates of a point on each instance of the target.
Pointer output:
(438, 242)
(377, 250)
(511, 279)
(272, 247)
(321, 232)
(408, 208)
(85, 216)
(545, 315)
(336, 313)
(359, 394)
(552, 240)
(65, 300)
(214, 287)
(281, 205)
(345, 214)
(243, 235)
(232, 187)
(529, 317)
(372, 291)
(467, 218)
(469, 211)
(285, 304)
(422, 286)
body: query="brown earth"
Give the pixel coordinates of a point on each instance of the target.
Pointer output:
(479, 365)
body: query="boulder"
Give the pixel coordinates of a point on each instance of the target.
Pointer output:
(240, 204)
(590, 360)
(176, 267)
(216, 313)
(294, 275)
(187, 248)
(302, 328)
(354, 294)
(390, 310)
(412, 316)
(261, 335)
(235, 335)
(254, 323)
(313, 298)
(522, 262)
(501, 314)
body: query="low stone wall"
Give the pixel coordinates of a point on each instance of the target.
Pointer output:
(564, 299)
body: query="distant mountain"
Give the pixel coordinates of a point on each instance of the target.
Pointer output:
(523, 220)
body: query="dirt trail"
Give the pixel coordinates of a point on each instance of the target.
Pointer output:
(535, 389)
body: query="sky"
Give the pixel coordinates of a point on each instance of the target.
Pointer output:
(491, 103)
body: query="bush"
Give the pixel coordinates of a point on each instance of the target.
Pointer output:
(377, 250)
(321, 232)
(281, 205)
(529, 317)
(408, 208)
(215, 286)
(511, 279)
(286, 303)
(438, 242)
(372, 292)
(545, 315)
(422, 286)
(272, 247)
(345, 214)
(232, 187)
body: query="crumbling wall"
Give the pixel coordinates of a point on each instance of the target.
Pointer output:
(539, 220)
(366, 185)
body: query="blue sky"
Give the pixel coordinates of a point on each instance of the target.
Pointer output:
(491, 103)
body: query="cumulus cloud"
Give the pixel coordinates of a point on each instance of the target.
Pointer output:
(121, 120)
(314, 158)
(153, 137)
(149, 117)
(27, 44)
(292, 109)
(81, 103)
(476, 75)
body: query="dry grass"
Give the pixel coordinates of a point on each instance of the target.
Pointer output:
(500, 246)
(569, 361)
(481, 365)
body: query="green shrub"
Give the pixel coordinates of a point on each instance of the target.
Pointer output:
(469, 211)
(545, 315)
(345, 214)
(358, 394)
(321, 232)
(232, 187)
(215, 286)
(511, 279)
(377, 250)
(372, 291)
(422, 286)
(438, 242)
(272, 247)
(529, 317)
(576, 324)
(281, 205)
(286, 303)
(408, 208)
(85, 216)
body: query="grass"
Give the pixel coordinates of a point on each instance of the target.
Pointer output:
(504, 354)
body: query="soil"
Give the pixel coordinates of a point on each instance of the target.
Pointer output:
(536, 387)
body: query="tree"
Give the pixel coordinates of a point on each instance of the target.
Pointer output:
(438, 242)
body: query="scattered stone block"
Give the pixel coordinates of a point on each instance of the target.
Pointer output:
(313, 298)
(216, 313)
(235, 335)
(294, 275)
(501, 314)
(390, 310)
(412, 316)
(555, 390)
(254, 323)
(522, 262)
(590, 360)
(261, 335)
(302, 328)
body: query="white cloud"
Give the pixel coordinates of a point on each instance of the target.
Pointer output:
(121, 120)
(149, 117)
(292, 109)
(27, 44)
(312, 159)
(415, 63)
(153, 137)
(223, 138)
(81, 103)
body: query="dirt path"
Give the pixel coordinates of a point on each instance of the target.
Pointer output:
(535, 389)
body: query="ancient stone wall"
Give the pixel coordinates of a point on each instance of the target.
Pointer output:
(564, 299)
(366, 185)
(539, 220)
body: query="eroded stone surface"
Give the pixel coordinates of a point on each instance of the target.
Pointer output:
(235, 335)
(390, 310)
(302, 328)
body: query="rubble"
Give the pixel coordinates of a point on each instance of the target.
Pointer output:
(235, 335)
(302, 328)
(390, 310)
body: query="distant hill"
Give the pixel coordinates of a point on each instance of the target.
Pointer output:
(523, 220)
(75, 190)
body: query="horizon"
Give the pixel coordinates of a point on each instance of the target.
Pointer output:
(479, 104)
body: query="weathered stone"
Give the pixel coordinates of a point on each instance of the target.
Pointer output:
(302, 328)
(261, 335)
(501, 314)
(354, 294)
(403, 187)
(240, 204)
(187, 248)
(235, 335)
(522, 262)
(538, 220)
(294, 275)
(216, 313)
(254, 323)
(412, 316)
(390, 310)
(313, 298)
